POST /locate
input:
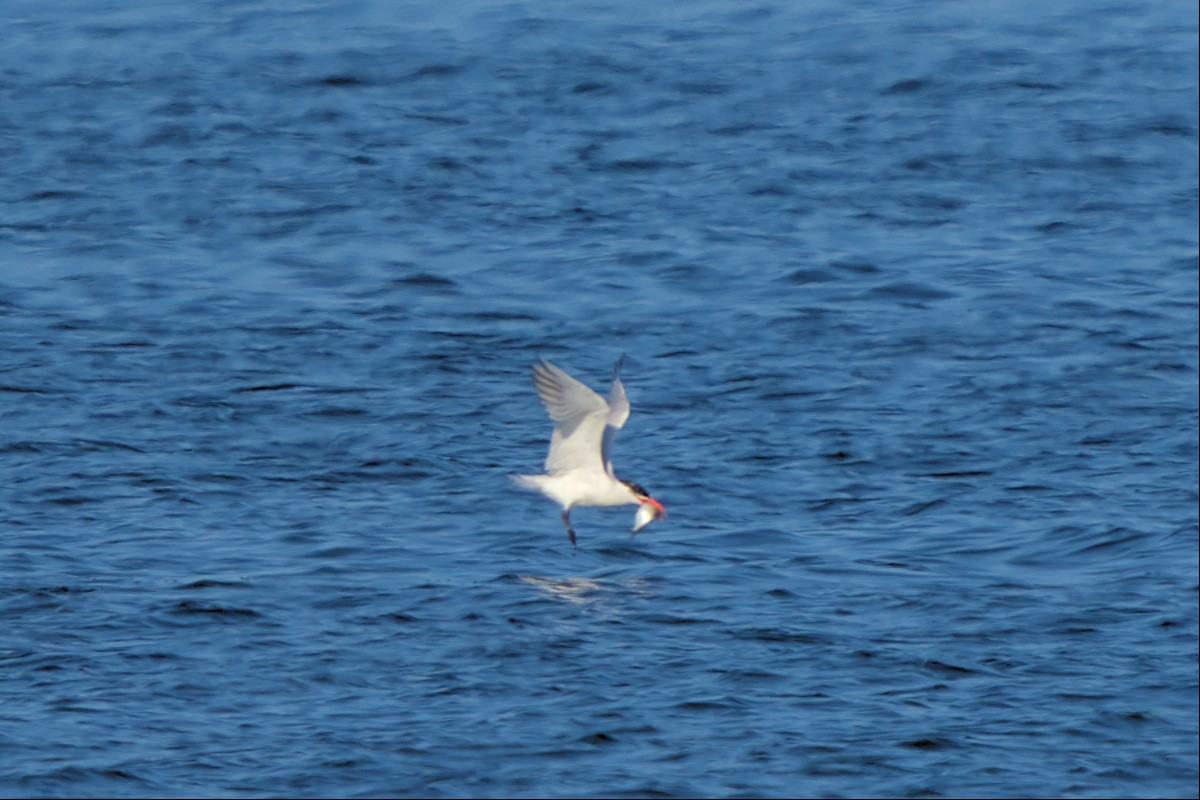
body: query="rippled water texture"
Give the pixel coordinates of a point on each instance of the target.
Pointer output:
(909, 297)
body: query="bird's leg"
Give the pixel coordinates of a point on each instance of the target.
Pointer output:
(567, 521)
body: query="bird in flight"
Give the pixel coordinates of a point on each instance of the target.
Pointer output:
(579, 470)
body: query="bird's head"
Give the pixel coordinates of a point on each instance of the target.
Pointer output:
(644, 499)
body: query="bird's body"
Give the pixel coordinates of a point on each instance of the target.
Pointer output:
(579, 470)
(579, 488)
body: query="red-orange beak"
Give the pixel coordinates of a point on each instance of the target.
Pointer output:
(658, 507)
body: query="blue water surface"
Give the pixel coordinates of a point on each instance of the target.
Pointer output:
(908, 293)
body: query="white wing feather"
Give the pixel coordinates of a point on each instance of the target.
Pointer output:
(584, 423)
(618, 412)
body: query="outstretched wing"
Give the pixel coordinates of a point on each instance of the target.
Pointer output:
(580, 418)
(618, 412)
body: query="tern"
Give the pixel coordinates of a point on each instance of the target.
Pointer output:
(579, 470)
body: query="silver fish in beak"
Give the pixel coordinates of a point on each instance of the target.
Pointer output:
(647, 512)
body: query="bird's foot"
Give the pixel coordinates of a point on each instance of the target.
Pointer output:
(566, 518)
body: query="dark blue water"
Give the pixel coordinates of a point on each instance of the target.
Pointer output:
(909, 297)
